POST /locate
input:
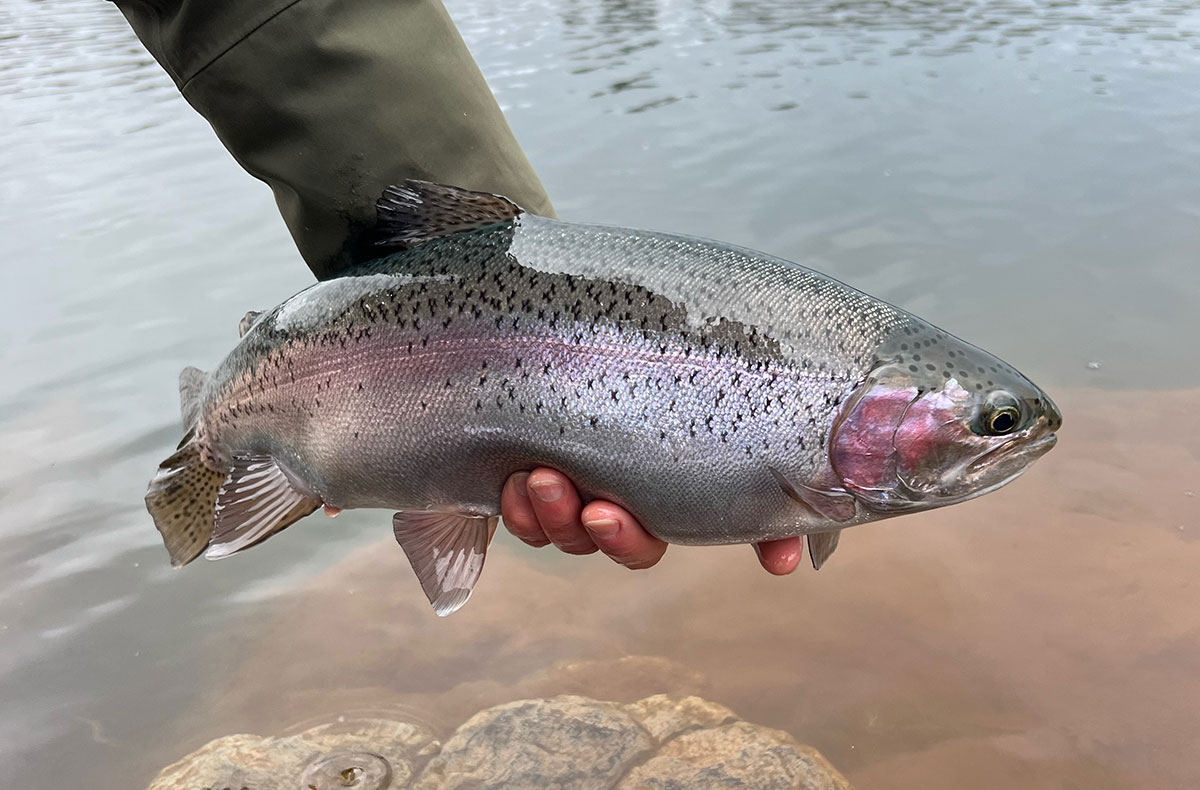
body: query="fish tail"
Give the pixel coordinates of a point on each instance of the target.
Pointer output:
(191, 383)
(182, 500)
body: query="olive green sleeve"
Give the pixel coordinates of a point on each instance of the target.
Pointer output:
(329, 101)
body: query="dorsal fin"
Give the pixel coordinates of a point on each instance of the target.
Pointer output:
(414, 212)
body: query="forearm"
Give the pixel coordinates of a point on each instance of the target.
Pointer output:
(329, 101)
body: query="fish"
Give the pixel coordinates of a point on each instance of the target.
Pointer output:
(719, 394)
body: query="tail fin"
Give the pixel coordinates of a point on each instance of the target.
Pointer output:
(182, 500)
(191, 382)
(199, 510)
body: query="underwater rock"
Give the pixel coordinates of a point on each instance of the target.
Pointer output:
(365, 754)
(574, 742)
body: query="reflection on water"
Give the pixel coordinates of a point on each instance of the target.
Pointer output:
(1023, 174)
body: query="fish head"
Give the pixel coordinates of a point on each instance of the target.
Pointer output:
(938, 421)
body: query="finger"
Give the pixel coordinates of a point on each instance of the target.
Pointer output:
(619, 535)
(779, 557)
(517, 511)
(556, 504)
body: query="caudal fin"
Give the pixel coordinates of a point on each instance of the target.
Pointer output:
(191, 383)
(199, 511)
(218, 513)
(182, 501)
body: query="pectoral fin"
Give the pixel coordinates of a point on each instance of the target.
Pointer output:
(821, 545)
(446, 551)
(831, 504)
(256, 500)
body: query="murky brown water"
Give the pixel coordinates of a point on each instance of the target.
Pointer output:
(1045, 636)
(1025, 175)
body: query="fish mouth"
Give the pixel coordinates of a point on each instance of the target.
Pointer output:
(1006, 462)
(1031, 450)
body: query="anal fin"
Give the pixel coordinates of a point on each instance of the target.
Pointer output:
(821, 545)
(256, 500)
(446, 551)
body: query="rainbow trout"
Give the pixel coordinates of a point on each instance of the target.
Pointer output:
(719, 394)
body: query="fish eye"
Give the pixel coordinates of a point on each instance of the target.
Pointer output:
(1003, 420)
(999, 415)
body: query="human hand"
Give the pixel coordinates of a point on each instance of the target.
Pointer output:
(543, 507)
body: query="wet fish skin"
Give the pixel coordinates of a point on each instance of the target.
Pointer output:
(385, 404)
(698, 384)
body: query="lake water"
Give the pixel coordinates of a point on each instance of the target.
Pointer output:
(1023, 174)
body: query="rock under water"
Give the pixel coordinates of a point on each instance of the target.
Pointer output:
(567, 742)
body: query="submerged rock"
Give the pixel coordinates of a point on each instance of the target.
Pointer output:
(363, 754)
(569, 742)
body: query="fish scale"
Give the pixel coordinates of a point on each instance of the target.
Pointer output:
(697, 384)
(466, 310)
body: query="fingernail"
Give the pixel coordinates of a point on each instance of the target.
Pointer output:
(603, 527)
(520, 482)
(546, 490)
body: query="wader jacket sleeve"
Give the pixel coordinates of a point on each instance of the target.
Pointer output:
(329, 101)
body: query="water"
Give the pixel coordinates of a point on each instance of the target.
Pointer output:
(1024, 174)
